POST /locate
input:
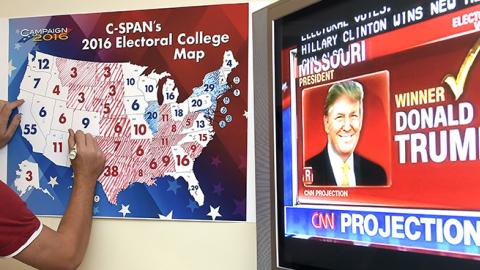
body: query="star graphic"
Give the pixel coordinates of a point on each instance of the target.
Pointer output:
(214, 212)
(192, 205)
(53, 181)
(240, 208)
(245, 113)
(96, 210)
(17, 46)
(216, 161)
(218, 189)
(173, 186)
(125, 210)
(167, 217)
(10, 68)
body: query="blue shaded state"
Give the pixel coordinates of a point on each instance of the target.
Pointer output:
(211, 84)
(287, 157)
(151, 116)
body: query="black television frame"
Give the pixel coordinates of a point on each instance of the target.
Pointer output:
(274, 250)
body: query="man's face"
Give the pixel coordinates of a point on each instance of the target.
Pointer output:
(343, 124)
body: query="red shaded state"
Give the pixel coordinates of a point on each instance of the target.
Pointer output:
(115, 127)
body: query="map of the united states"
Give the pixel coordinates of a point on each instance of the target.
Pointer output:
(136, 118)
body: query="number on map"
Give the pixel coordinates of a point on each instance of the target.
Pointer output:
(82, 97)
(56, 90)
(111, 171)
(29, 176)
(140, 129)
(42, 112)
(107, 72)
(85, 122)
(43, 64)
(165, 160)
(37, 81)
(112, 90)
(57, 147)
(73, 72)
(30, 129)
(62, 119)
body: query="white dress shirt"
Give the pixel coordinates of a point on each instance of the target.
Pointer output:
(336, 162)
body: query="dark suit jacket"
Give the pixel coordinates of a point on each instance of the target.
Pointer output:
(367, 173)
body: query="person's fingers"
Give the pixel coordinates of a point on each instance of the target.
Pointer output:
(71, 138)
(90, 141)
(9, 107)
(80, 139)
(2, 103)
(13, 126)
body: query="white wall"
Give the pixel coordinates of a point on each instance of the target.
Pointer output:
(142, 245)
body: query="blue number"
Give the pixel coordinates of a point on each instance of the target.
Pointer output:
(42, 112)
(209, 87)
(37, 81)
(135, 105)
(152, 115)
(130, 81)
(170, 96)
(44, 62)
(149, 88)
(30, 129)
(196, 102)
(178, 112)
(85, 122)
(229, 63)
(200, 124)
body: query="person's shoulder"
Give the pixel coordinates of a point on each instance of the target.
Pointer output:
(370, 172)
(318, 159)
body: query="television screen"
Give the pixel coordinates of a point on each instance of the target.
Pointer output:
(377, 131)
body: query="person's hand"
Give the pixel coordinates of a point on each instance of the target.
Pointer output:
(6, 130)
(89, 161)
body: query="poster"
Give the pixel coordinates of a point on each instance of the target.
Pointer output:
(164, 92)
(408, 139)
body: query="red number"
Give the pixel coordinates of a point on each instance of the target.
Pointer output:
(106, 108)
(189, 122)
(111, 171)
(82, 97)
(56, 90)
(193, 148)
(182, 161)
(118, 128)
(113, 90)
(62, 119)
(29, 176)
(140, 129)
(164, 117)
(117, 144)
(203, 137)
(140, 172)
(107, 72)
(153, 164)
(174, 128)
(165, 160)
(57, 147)
(73, 73)
(139, 151)
(164, 141)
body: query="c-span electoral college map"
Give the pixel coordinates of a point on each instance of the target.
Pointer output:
(164, 92)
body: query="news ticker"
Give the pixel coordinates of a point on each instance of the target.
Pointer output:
(435, 231)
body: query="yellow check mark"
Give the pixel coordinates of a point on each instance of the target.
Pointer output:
(457, 84)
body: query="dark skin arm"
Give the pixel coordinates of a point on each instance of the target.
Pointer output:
(66, 247)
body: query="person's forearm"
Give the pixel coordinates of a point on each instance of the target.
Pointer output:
(76, 223)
